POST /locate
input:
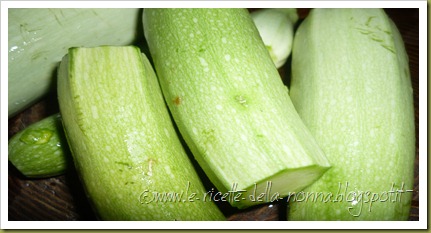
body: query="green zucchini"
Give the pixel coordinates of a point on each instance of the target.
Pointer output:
(230, 104)
(40, 150)
(39, 38)
(124, 145)
(351, 86)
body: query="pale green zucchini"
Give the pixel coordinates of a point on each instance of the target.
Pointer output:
(275, 26)
(351, 86)
(230, 104)
(124, 145)
(39, 38)
(40, 150)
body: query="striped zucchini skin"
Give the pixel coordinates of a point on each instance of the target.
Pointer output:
(230, 104)
(351, 86)
(125, 148)
(39, 38)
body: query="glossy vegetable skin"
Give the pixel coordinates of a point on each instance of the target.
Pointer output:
(276, 27)
(38, 38)
(40, 150)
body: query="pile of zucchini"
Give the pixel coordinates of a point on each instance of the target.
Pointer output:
(337, 144)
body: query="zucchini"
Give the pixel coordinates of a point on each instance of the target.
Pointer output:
(124, 145)
(39, 38)
(351, 86)
(276, 26)
(40, 150)
(230, 104)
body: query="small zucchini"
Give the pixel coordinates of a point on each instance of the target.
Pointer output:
(276, 27)
(40, 150)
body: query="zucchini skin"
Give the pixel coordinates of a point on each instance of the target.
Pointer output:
(39, 38)
(40, 150)
(351, 86)
(229, 103)
(276, 27)
(124, 145)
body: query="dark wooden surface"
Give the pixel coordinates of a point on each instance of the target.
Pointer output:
(62, 197)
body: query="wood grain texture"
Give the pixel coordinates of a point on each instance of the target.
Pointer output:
(62, 197)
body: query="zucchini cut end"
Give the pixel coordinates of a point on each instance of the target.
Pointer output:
(287, 182)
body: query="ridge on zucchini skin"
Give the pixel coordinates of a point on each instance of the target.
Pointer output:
(229, 103)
